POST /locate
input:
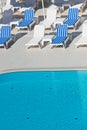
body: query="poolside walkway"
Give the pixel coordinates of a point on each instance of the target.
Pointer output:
(17, 57)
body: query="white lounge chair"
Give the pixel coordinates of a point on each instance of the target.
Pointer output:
(80, 6)
(52, 6)
(37, 37)
(8, 5)
(83, 39)
(50, 18)
(28, 20)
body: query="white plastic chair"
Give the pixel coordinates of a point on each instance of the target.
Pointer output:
(8, 5)
(83, 39)
(52, 6)
(51, 17)
(37, 37)
(80, 6)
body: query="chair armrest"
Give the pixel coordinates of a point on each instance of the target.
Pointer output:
(32, 24)
(13, 37)
(83, 6)
(67, 40)
(77, 22)
(36, 18)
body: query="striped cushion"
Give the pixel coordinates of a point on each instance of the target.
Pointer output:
(5, 34)
(73, 13)
(3, 40)
(61, 34)
(25, 23)
(58, 40)
(28, 18)
(72, 16)
(70, 22)
(28, 15)
(5, 31)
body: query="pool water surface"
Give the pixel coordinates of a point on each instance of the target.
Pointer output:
(44, 100)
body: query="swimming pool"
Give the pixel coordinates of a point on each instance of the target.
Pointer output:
(46, 100)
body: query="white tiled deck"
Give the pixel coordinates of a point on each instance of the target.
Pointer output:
(17, 57)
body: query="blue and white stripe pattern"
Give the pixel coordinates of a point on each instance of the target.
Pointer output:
(72, 16)
(61, 34)
(28, 18)
(5, 34)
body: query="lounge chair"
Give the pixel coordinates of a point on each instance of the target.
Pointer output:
(83, 39)
(8, 5)
(81, 6)
(5, 35)
(73, 18)
(61, 37)
(28, 20)
(50, 18)
(37, 37)
(52, 6)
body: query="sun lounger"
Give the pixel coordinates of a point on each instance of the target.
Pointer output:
(52, 6)
(61, 38)
(37, 37)
(28, 20)
(50, 18)
(73, 18)
(81, 6)
(83, 39)
(7, 6)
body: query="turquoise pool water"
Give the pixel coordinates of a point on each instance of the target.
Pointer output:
(43, 100)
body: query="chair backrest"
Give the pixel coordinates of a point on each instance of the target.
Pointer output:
(8, 2)
(62, 30)
(73, 13)
(53, 6)
(51, 14)
(5, 31)
(39, 31)
(28, 14)
(84, 29)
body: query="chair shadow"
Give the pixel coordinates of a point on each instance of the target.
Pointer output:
(73, 35)
(15, 38)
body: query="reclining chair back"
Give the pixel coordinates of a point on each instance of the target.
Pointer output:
(51, 14)
(29, 15)
(73, 13)
(62, 31)
(39, 31)
(5, 32)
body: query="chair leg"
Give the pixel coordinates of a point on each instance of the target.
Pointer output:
(6, 45)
